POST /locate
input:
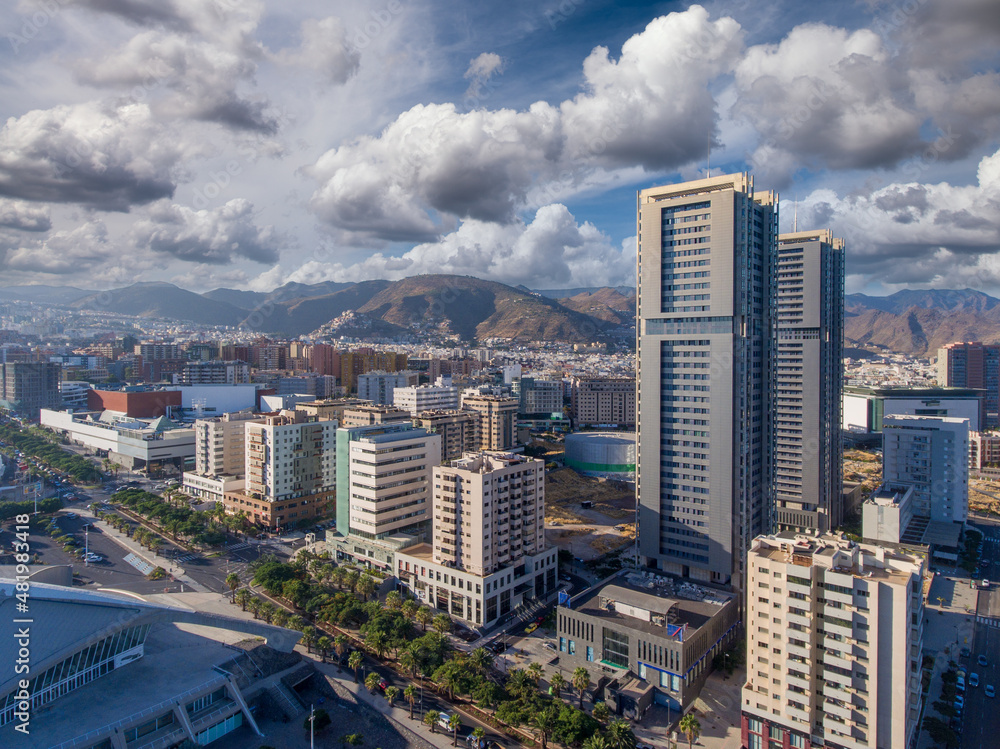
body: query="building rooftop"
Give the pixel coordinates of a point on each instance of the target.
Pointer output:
(889, 495)
(659, 606)
(838, 554)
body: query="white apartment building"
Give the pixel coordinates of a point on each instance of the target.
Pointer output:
(383, 490)
(834, 636)
(487, 557)
(932, 454)
(379, 386)
(219, 455)
(418, 398)
(291, 469)
(219, 444)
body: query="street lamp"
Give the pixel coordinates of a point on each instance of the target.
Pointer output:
(86, 544)
(312, 717)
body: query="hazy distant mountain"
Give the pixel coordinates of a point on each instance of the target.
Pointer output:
(162, 300)
(607, 303)
(44, 294)
(566, 293)
(947, 300)
(299, 316)
(243, 299)
(475, 310)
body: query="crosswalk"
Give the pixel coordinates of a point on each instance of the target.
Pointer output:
(140, 564)
(238, 547)
(186, 557)
(988, 621)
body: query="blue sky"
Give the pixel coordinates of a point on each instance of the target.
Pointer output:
(247, 144)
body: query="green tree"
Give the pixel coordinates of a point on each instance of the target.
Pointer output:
(480, 660)
(581, 680)
(372, 681)
(431, 719)
(409, 608)
(377, 641)
(324, 644)
(309, 638)
(442, 623)
(242, 597)
(488, 695)
(366, 586)
(408, 661)
(340, 645)
(620, 736)
(233, 581)
(479, 733)
(391, 693)
(423, 617)
(558, 683)
(454, 723)
(535, 672)
(354, 661)
(254, 605)
(393, 600)
(691, 728)
(410, 695)
(543, 722)
(597, 741)
(602, 712)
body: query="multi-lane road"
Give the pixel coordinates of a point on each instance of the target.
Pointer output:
(981, 722)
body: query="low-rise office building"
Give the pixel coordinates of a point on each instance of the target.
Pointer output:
(650, 628)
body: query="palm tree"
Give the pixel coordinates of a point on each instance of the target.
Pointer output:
(581, 680)
(377, 641)
(391, 693)
(372, 680)
(267, 611)
(601, 712)
(535, 672)
(254, 605)
(409, 608)
(354, 661)
(366, 586)
(393, 600)
(431, 719)
(480, 660)
(558, 683)
(690, 725)
(410, 695)
(324, 644)
(597, 741)
(543, 722)
(281, 618)
(340, 645)
(479, 733)
(351, 580)
(423, 617)
(337, 576)
(619, 735)
(454, 723)
(233, 581)
(242, 597)
(408, 661)
(442, 623)
(309, 637)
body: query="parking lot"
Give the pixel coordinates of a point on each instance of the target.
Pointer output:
(112, 572)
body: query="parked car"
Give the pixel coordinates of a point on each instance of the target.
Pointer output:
(966, 652)
(990, 691)
(981, 660)
(959, 702)
(443, 720)
(960, 684)
(973, 679)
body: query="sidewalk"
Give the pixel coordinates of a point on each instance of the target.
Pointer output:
(399, 715)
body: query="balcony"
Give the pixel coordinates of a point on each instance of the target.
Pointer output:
(805, 621)
(797, 714)
(798, 681)
(803, 651)
(833, 708)
(834, 660)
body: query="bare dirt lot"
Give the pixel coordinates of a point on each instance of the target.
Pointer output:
(589, 532)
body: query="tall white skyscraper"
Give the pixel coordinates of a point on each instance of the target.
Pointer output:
(808, 385)
(706, 301)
